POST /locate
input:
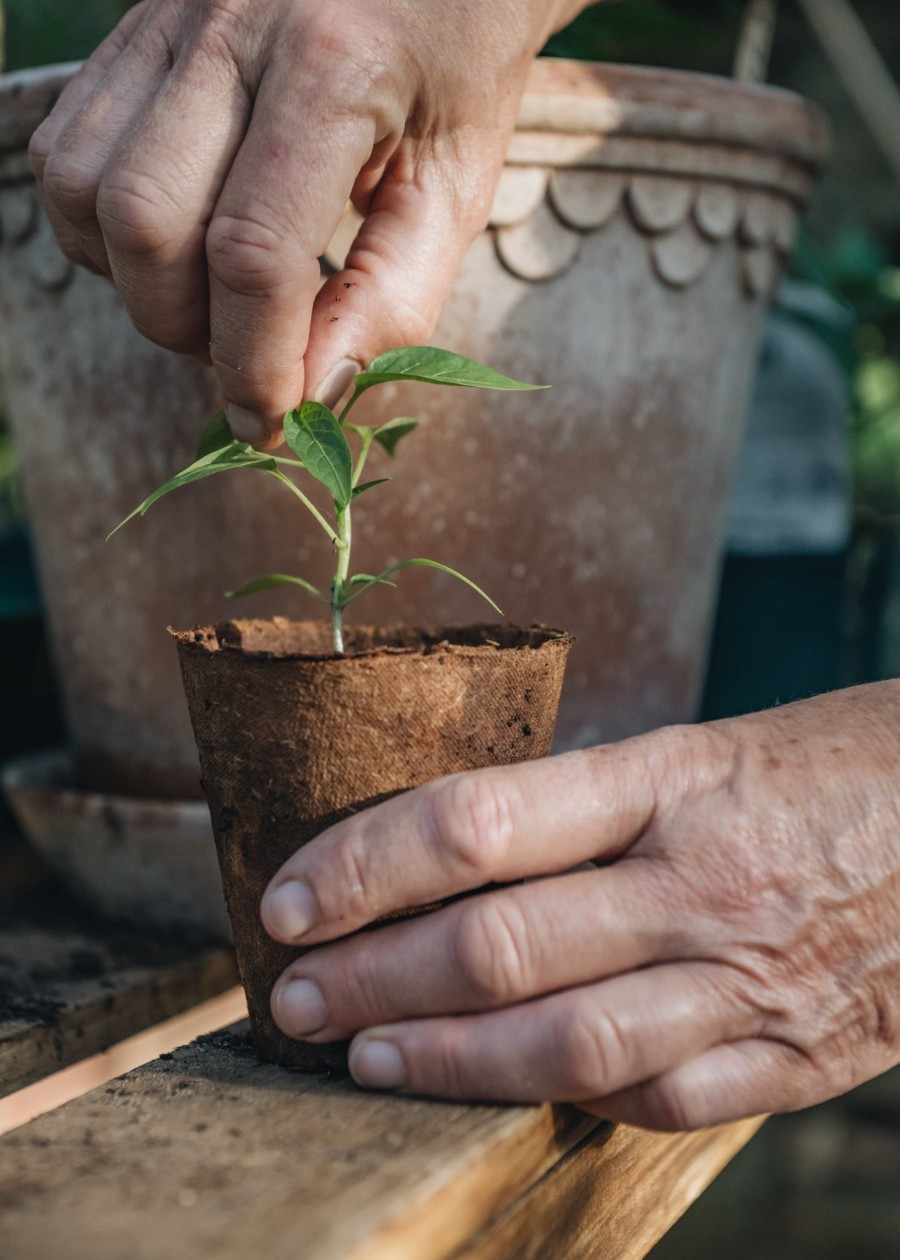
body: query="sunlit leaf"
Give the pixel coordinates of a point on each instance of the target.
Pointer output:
(369, 485)
(272, 580)
(391, 434)
(216, 436)
(419, 563)
(369, 578)
(434, 367)
(314, 435)
(235, 455)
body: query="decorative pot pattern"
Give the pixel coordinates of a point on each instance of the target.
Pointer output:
(639, 228)
(541, 217)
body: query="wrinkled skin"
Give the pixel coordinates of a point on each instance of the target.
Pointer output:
(204, 155)
(735, 951)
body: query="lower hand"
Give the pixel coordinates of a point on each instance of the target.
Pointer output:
(735, 951)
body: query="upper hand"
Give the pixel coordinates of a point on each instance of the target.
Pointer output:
(736, 951)
(203, 157)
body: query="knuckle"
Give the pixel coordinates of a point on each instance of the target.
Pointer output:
(360, 987)
(668, 1108)
(491, 953)
(246, 255)
(472, 826)
(694, 758)
(133, 212)
(446, 1064)
(594, 1052)
(71, 187)
(346, 893)
(336, 45)
(221, 38)
(357, 69)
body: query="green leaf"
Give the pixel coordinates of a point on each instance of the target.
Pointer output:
(391, 434)
(235, 455)
(434, 367)
(367, 577)
(314, 435)
(216, 436)
(272, 580)
(419, 563)
(368, 485)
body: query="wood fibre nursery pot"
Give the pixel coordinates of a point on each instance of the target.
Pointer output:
(293, 738)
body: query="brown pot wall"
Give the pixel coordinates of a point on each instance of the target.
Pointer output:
(291, 743)
(639, 231)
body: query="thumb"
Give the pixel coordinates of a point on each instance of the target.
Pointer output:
(397, 275)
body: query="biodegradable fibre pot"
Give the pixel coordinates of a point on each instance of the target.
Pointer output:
(293, 738)
(640, 228)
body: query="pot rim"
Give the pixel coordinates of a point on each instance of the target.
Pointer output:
(48, 775)
(213, 640)
(563, 96)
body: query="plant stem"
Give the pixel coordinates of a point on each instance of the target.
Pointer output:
(367, 437)
(357, 394)
(339, 585)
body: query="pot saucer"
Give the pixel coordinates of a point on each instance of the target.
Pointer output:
(150, 861)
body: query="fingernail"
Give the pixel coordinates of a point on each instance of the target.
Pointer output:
(378, 1065)
(337, 382)
(246, 425)
(289, 911)
(300, 1009)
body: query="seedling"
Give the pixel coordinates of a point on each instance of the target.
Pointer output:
(321, 442)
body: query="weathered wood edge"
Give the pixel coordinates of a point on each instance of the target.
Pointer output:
(97, 1015)
(614, 1196)
(265, 1157)
(434, 1222)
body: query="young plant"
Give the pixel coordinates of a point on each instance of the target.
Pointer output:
(319, 440)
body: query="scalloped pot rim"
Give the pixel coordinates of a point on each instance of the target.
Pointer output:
(574, 97)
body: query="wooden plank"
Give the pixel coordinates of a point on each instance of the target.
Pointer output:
(614, 1196)
(71, 986)
(213, 1152)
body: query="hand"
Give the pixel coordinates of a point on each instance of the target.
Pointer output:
(736, 951)
(203, 157)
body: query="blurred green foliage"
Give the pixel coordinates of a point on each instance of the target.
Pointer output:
(39, 32)
(688, 34)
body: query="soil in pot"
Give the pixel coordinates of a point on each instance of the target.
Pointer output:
(293, 738)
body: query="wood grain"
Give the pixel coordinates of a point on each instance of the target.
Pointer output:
(71, 986)
(213, 1152)
(614, 1196)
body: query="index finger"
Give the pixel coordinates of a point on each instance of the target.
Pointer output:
(279, 208)
(461, 833)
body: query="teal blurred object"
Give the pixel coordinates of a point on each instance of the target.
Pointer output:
(779, 633)
(19, 596)
(40, 32)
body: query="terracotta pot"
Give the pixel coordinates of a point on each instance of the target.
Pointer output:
(293, 738)
(639, 230)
